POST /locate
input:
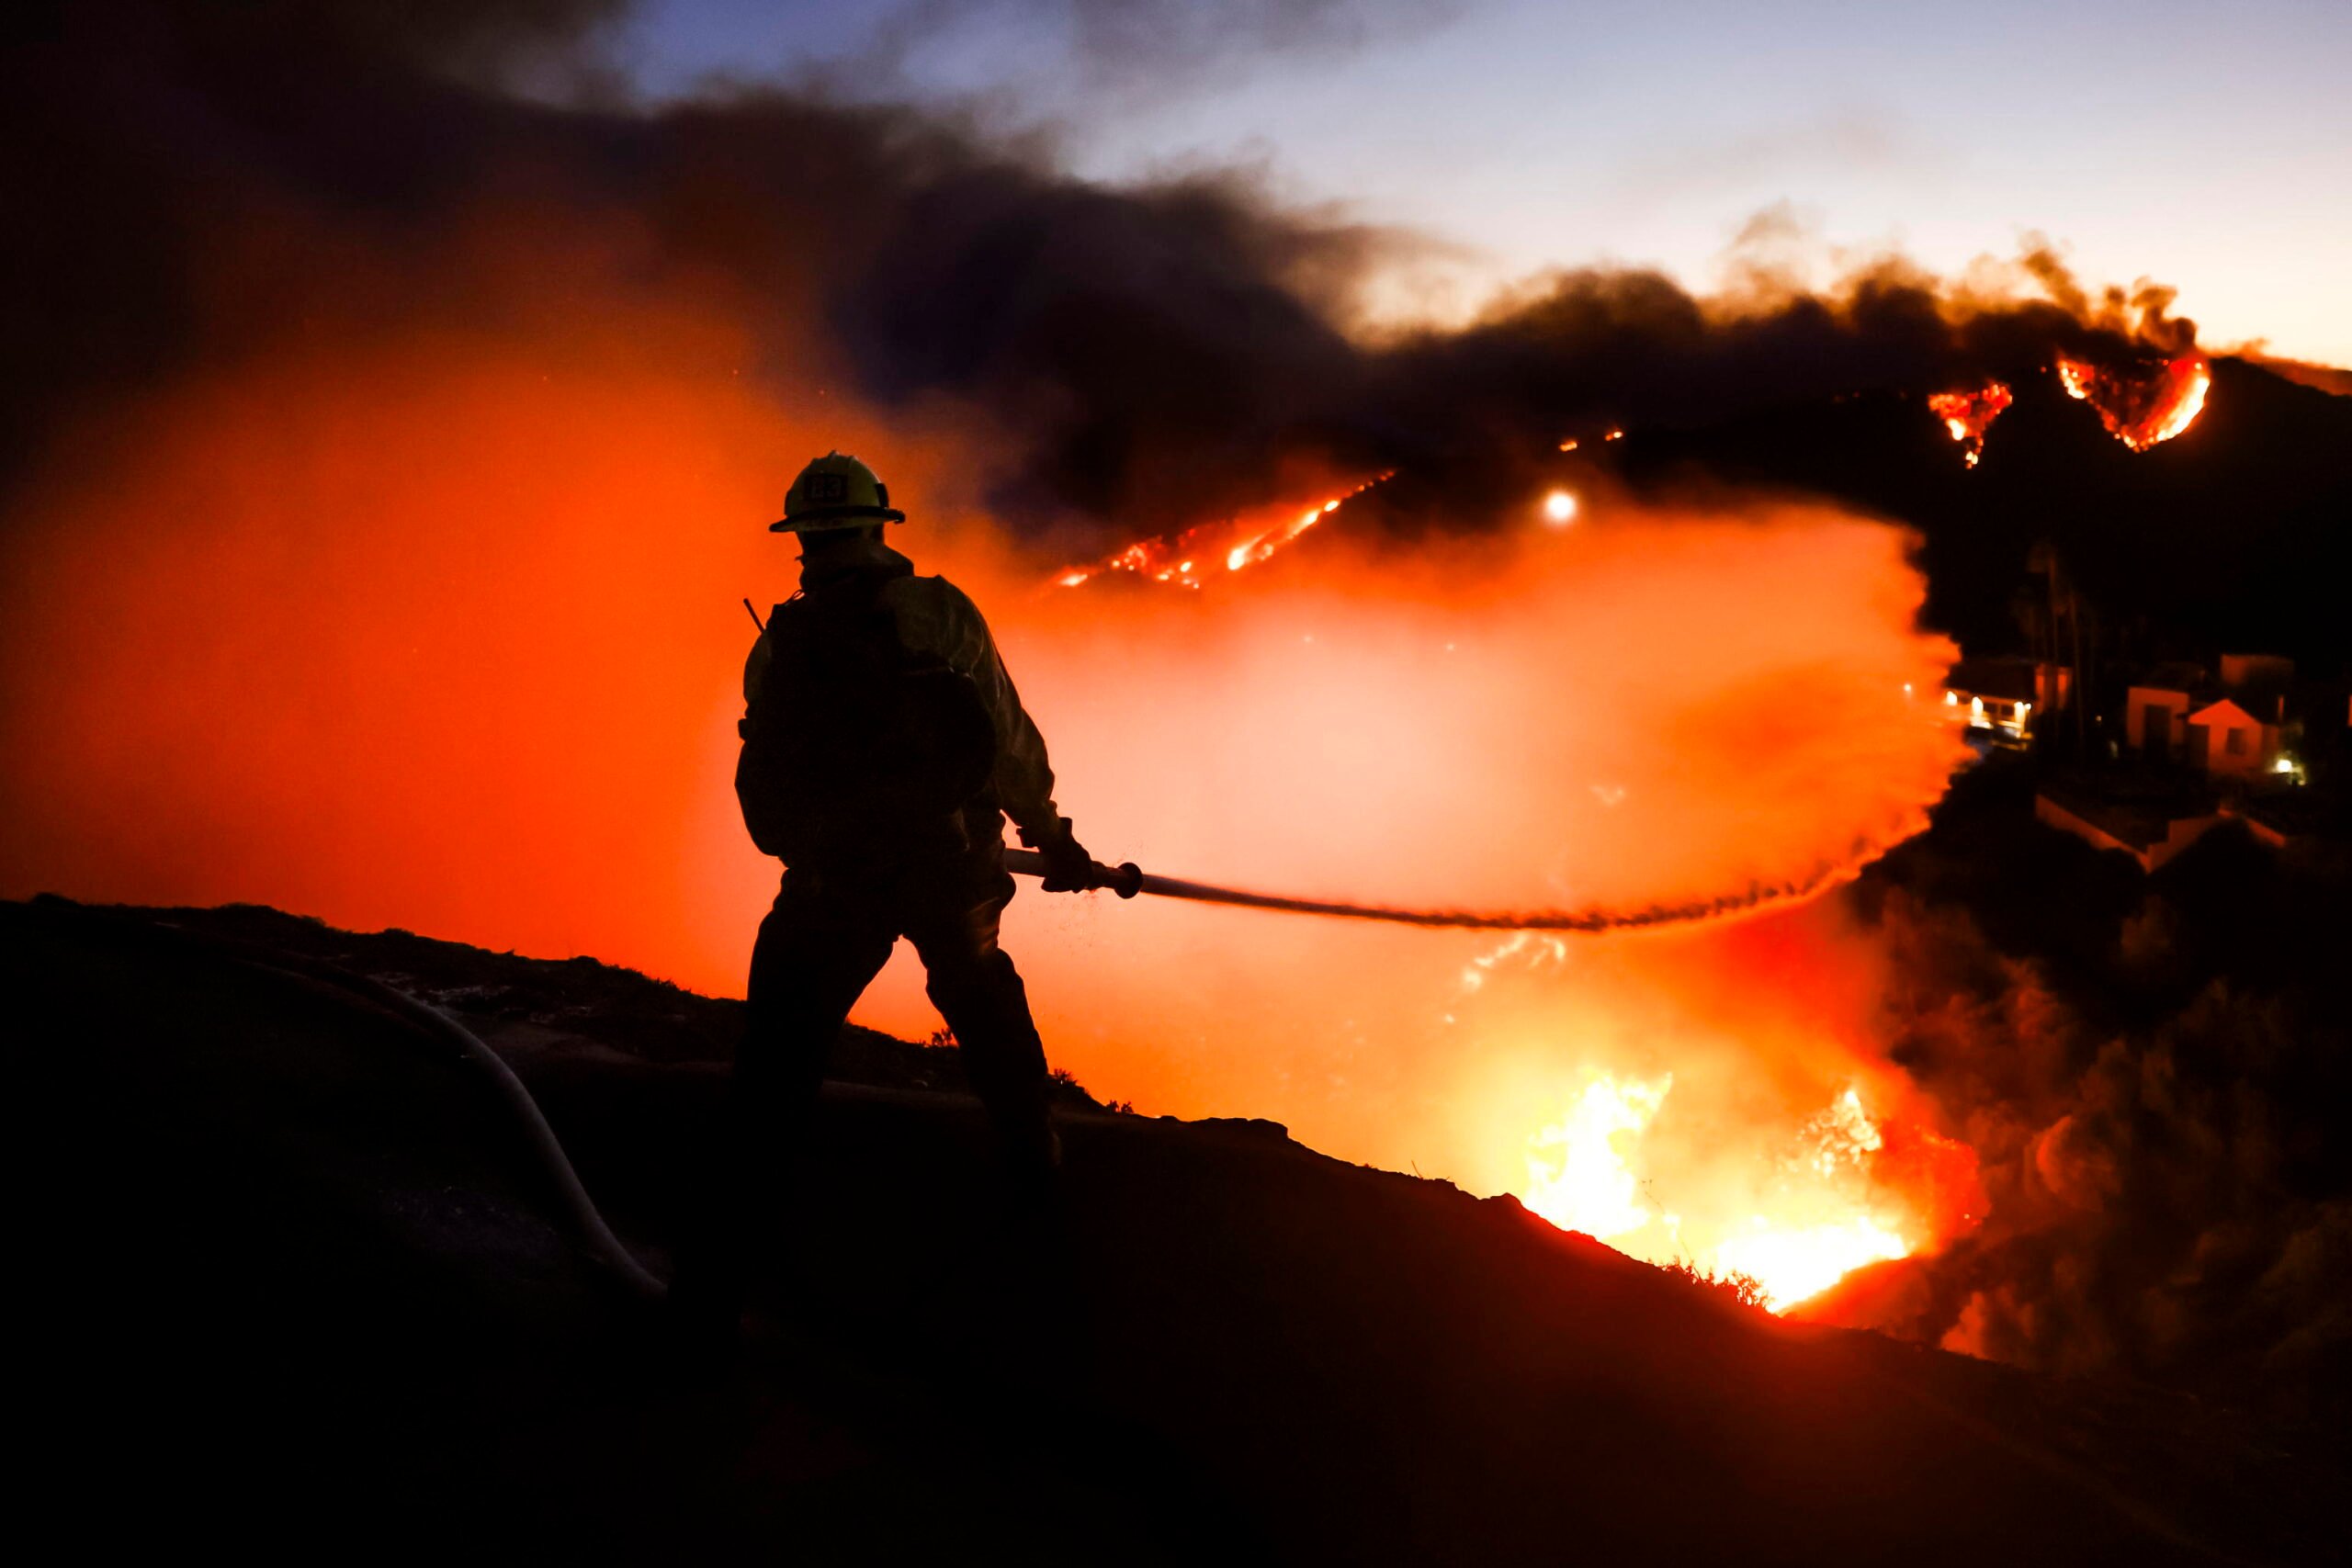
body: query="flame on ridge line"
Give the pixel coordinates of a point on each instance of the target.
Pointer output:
(1191, 557)
(2144, 407)
(2139, 406)
(1968, 414)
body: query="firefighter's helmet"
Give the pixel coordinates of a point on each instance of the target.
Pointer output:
(835, 491)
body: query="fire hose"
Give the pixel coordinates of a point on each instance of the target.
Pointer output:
(576, 1212)
(1129, 879)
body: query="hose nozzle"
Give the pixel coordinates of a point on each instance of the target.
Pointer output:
(1126, 880)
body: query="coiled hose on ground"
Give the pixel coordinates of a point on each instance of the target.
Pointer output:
(578, 1212)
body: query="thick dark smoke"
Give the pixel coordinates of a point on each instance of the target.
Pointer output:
(1639, 349)
(202, 181)
(2153, 1073)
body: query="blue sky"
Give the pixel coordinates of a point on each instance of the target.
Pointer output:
(2207, 145)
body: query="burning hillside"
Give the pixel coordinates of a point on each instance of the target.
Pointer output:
(1200, 553)
(2140, 405)
(2143, 404)
(1968, 416)
(373, 546)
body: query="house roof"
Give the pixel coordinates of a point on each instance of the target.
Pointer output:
(2225, 712)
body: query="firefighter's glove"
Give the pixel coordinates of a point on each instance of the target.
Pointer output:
(1068, 868)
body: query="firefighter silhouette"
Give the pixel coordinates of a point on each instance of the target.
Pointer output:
(883, 745)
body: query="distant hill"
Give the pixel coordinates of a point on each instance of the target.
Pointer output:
(2223, 536)
(304, 1293)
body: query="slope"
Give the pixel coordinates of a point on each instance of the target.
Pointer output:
(310, 1298)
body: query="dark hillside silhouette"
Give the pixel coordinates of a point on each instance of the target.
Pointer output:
(310, 1283)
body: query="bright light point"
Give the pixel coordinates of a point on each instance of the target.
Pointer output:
(1567, 446)
(1560, 508)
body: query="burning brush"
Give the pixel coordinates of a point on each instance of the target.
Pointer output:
(2142, 404)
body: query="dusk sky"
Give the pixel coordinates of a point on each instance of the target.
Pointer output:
(2205, 145)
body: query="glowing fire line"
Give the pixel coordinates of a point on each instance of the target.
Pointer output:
(1186, 559)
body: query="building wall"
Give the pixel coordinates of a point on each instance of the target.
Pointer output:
(2136, 704)
(2231, 743)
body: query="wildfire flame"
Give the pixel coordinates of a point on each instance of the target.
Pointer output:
(1577, 1175)
(1795, 1266)
(1186, 559)
(2141, 406)
(1968, 414)
(1833, 1208)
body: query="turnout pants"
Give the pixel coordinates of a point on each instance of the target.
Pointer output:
(826, 939)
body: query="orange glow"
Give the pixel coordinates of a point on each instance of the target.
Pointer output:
(2141, 407)
(1968, 414)
(1560, 508)
(413, 634)
(441, 629)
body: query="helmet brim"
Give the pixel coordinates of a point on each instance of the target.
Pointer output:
(830, 519)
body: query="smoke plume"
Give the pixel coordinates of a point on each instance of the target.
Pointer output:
(206, 182)
(2148, 1070)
